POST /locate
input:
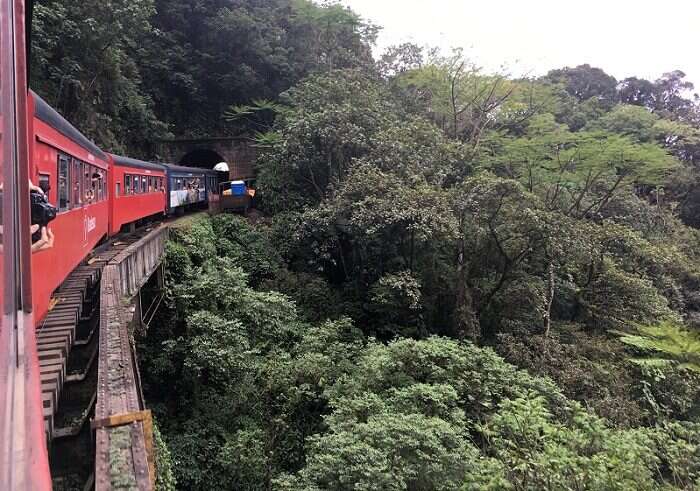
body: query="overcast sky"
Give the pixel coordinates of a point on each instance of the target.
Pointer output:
(644, 38)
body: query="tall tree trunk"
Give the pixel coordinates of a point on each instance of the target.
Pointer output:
(466, 324)
(549, 298)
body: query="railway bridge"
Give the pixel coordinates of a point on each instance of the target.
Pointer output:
(89, 366)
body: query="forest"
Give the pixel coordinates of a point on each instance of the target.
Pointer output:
(458, 279)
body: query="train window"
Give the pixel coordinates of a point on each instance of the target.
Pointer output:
(63, 183)
(143, 184)
(117, 188)
(87, 184)
(137, 184)
(45, 185)
(96, 176)
(127, 184)
(150, 184)
(76, 182)
(178, 184)
(101, 185)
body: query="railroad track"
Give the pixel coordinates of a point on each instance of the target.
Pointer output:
(68, 351)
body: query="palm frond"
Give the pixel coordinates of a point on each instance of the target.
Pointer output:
(667, 343)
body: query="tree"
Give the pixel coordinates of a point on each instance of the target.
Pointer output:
(213, 54)
(498, 230)
(400, 59)
(666, 97)
(457, 95)
(638, 92)
(327, 127)
(585, 82)
(670, 99)
(374, 227)
(85, 63)
(636, 122)
(579, 173)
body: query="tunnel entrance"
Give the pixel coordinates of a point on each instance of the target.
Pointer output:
(201, 157)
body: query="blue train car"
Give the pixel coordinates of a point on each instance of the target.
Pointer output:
(189, 186)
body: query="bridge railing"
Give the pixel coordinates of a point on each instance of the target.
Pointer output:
(123, 439)
(138, 262)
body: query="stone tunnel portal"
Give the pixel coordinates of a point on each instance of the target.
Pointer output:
(201, 157)
(238, 152)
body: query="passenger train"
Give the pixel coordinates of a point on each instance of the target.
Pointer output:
(96, 195)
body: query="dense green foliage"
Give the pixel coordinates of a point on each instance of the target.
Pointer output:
(128, 72)
(251, 396)
(463, 280)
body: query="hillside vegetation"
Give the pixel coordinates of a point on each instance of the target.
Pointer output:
(462, 280)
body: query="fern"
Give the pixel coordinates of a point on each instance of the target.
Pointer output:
(237, 112)
(666, 344)
(266, 139)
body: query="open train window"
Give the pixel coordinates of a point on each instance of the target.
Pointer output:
(76, 182)
(150, 184)
(143, 184)
(101, 184)
(45, 185)
(63, 183)
(137, 184)
(87, 184)
(127, 184)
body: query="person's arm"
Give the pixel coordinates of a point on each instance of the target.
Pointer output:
(32, 187)
(46, 240)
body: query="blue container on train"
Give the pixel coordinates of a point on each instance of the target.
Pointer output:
(237, 188)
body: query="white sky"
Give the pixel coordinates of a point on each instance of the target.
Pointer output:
(644, 38)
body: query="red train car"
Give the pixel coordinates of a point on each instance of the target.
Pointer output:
(138, 191)
(72, 171)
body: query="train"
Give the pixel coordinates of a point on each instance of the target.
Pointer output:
(89, 195)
